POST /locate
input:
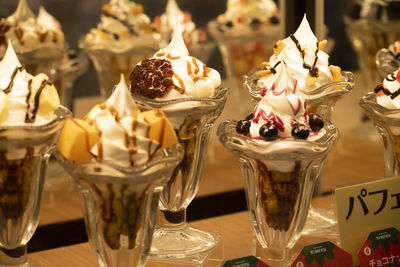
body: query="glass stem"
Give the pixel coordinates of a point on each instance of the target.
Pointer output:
(13, 257)
(171, 219)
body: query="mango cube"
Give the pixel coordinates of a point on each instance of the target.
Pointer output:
(160, 129)
(76, 140)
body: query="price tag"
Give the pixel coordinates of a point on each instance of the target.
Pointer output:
(382, 248)
(249, 261)
(325, 254)
(366, 207)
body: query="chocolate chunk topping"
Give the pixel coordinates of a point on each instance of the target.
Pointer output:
(152, 78)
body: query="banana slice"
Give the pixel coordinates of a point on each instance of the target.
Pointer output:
(336, 73)
(310, 80)
(322, 44)
(47, 93)
(4, 106)
(278, 47)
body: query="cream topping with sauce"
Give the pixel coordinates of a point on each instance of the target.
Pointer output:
(192, 77)
(123, 131)
(280, 103)
(28, 33)
(123, 26)
(25, 94)
(304, 57)
(388, 92)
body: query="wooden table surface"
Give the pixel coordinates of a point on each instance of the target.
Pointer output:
(235, 228)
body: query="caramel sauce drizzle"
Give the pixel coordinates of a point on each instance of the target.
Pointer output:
(30, 115)
(7, 90)
(172, 58)
(313, 70)
(160, 54)
(181, 88)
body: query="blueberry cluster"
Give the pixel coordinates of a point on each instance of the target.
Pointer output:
(269, 131)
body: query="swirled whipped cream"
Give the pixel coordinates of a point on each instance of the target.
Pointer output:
(388, 92)
(172, 73)
(122, 26)
(28, 33)
(281, 106)
(305, 60)
(173, 15)
(116, 132)
(24, 99)
(123, 134)
(242, 16)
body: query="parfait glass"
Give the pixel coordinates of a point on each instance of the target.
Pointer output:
(24, 154)
(120, 204)
(241, 53)
(370, 26)
(320, 101)
(110, 63)
(192, 119)
(386, 62)
(279, 178)
(387, 123)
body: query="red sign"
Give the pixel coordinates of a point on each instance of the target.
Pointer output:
(382, 248)
(324, 254)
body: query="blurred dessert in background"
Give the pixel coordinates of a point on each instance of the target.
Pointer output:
(388, 59)
(370, 26)
(121, 39)
(245, 35)
(196, 40)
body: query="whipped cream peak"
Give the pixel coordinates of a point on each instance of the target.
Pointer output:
(122, 100)
(305, 35)
(177, 46)
(23, 12)
(172, 9)
(284, 81)
(281, 105)
(46, 20)
(8, 65)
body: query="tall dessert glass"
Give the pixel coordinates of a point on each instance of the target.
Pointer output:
(279, 177)
(120, 204)
(192, 119)
(387, 122)
(24, 154)
(320, 84)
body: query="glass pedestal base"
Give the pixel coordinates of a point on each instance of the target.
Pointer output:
(281, 260)
(319, 220)
(186, 247)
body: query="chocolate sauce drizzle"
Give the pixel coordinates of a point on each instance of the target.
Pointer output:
(31, 113)
(313, 70)
(130, 27)
(7, 90)
(386, 91)
(273, 69)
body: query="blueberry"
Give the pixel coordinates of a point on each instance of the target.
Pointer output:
(268, 131)
(316, 123)
(243, 127)
(274, 20)
(300, 131)
(250, 117)
(229, 24)
(255, 21)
